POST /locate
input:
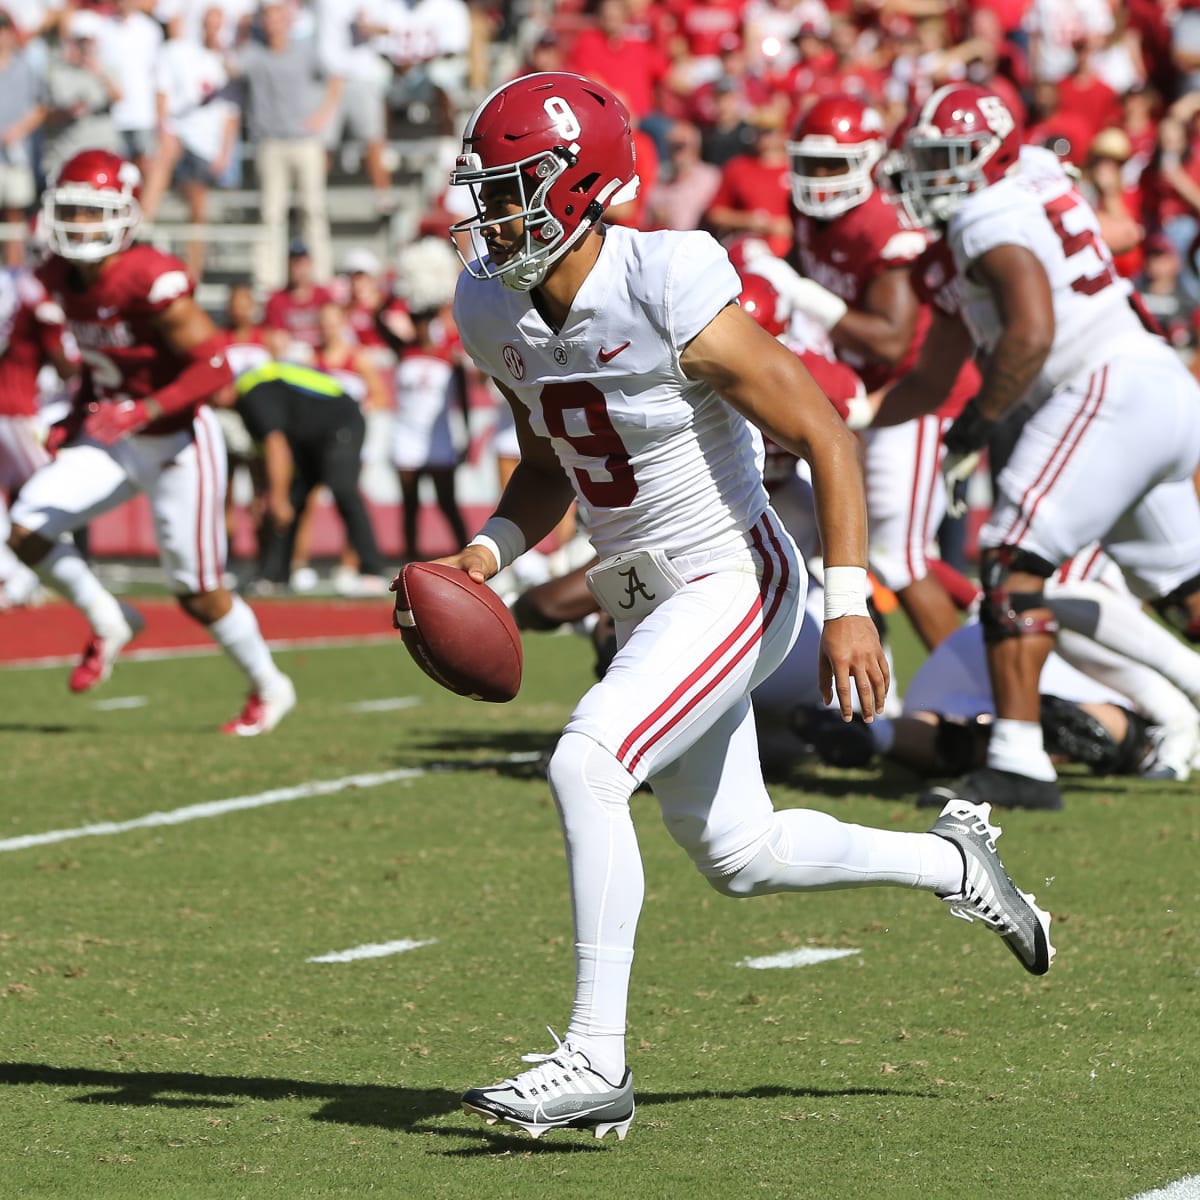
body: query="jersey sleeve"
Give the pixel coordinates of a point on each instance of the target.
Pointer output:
(466, 317)
(701, 282)
(157, 281)
(988, 226)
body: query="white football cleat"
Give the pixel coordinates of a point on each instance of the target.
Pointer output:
(263, 710)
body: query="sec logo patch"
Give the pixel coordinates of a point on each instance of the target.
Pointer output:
(514, 362)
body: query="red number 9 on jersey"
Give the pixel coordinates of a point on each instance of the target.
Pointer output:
(601, 441)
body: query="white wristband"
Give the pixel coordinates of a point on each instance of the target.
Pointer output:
(817, 302)
(845, 592)
(503, 538)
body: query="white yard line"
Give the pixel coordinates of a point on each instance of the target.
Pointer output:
(371, 950)
(120, 702)
(394, 704)
(805, 956)
(168, 652)
(1187, 1188)
(212, 808)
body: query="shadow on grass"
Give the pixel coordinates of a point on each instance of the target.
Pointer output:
(372, 1105)
(42, 727)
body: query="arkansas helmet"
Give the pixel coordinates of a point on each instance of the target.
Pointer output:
(544, 156)
(833, 152)
(760, 300)
(91, 211)
(964, 138)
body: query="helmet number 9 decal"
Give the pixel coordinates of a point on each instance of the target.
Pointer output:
(566, 123)
(995, 113)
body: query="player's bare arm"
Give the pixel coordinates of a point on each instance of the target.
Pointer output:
(769, 386)
(1018, 283)
(535, 498)
(947, 346)
(882, 330)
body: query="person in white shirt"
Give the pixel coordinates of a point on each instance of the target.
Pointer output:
(128, 45)
(637, 386)
(1110, 449)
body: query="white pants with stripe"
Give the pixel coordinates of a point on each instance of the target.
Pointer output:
(1110, 458)
(674, 706)
(182, 474)
(906, 499)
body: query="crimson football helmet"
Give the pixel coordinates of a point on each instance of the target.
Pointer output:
(833, 153)
(964, 138)
(551, 151)
(91, 211)
(760, 300)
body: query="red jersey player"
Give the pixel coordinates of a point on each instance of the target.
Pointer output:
(140, 423)
(855, 249)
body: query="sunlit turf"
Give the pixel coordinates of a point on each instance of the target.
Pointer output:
(163, 1035)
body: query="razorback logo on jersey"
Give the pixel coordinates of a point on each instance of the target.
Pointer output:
(904, 246)
(169, 286)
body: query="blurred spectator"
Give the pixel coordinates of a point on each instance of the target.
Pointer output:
(366, 298)
(688, 185)
(288, 113)
(545, 54)
(1139, 119)
(731, 133)
(1117, 205)
(339, 353)
(1066, 133)
(430, 386)
(367, 75)
(1176, 181)
(1059, 28)
(199, 123)
(80, 93)
(772, 28)
(1119, 60)
(755, 191)
(606, 52)
(428, 42)
(703, 26)
(1163, 294)
(1084, 94)
(129, 42)
(633, 212)
(754, 94)
(292, 315)
(1185, 45)
(237, 17)
(22, 111)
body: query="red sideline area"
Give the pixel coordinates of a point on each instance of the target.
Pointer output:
(59, 631)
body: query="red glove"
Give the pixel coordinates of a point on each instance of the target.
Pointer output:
(59, 434)
(115, 420)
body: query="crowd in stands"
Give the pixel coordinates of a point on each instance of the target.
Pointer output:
(207, 94)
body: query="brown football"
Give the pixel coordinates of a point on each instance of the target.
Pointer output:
(458, 632)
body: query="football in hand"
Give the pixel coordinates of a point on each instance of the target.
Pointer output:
(458, 632)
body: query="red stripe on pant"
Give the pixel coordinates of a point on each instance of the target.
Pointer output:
(679, 703)
(1074, 438)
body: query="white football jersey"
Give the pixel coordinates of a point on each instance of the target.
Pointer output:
(657, 460)
(1038, 207)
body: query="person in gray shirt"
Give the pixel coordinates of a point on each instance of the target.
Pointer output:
(22, 110)
(291, 98)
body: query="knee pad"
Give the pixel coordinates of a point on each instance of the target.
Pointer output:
(1002, 613)
(1173, 609)
(581, 769)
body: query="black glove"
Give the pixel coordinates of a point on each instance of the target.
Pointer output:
(971, 431)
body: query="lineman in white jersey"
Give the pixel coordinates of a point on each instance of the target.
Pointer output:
(1114, 438)
(628, 366)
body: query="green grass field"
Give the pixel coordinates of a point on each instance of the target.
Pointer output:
(163, 1034)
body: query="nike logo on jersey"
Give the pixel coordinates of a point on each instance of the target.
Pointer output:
(609, 355)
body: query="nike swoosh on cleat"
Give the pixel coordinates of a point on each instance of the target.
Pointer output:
(608, 355)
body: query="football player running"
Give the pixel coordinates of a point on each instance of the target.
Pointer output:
(1114, 436)
(634, 378)
(152, 359)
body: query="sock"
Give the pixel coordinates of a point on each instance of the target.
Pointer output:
(238, 634)
(1152, 694)
(1017, 746)
(592, 791)
(961, 590)
(65, 570)
(808, 850)
(1120, 623)
(18, 581)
